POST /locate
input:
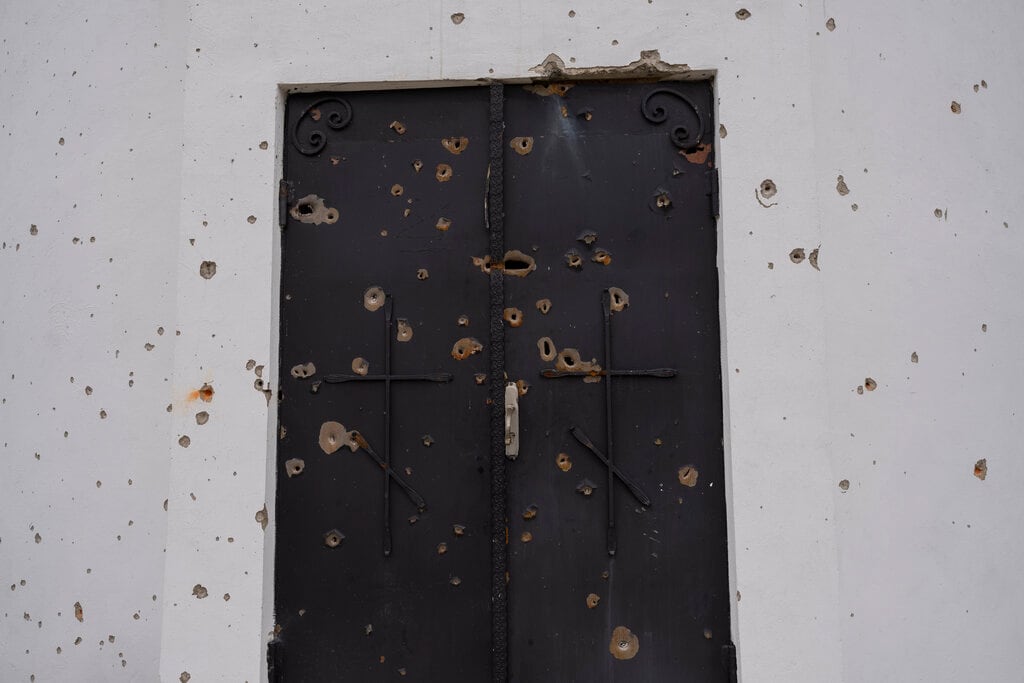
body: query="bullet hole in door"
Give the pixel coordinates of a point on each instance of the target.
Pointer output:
(443, 173)
(303, 371)
(466, 347)
(618, 300)
(312, 210)
(373, 298)
(455, 145)
(294, 467)
(513, 316)
(333, 538)
(360, 365)
(624, 644)
(207, 269)
(544, 305)
(546, 347)
(522, 145)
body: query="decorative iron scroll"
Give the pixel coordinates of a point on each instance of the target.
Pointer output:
(336, 120)
(681, 136)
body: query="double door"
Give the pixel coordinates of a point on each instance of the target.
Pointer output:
(500, 451)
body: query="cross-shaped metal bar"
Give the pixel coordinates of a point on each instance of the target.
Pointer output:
(388, 378)
(608, 457)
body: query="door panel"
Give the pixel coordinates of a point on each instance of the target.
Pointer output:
(347, 613)
(616, 178)
(601, 170)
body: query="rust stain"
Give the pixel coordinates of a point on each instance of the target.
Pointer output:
(522, 145)
(699, 155)
(981, 469)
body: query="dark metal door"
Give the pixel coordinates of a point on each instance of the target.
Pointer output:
(437, 245)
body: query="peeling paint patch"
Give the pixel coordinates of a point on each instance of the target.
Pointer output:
(649, 64)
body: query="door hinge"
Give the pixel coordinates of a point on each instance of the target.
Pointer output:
(729, 661)
(712, 192)
(284, 198)
(275, 661)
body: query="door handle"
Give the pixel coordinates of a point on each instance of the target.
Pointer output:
(511, 421)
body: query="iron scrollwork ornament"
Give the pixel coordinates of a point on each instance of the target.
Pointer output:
(681, 136)
(338, 118)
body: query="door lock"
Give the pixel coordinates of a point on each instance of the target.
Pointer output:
(511, 421)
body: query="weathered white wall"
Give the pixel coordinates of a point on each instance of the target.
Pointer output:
(909, 575)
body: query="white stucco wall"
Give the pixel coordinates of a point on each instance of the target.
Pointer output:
(909, 575)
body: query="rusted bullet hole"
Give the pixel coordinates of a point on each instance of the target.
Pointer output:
(479, 378)
(522, 386)
(373, 298)
(544, 305)
(398, 127)
(662, 199)
(530, 512)
(592, 600)
(202, 417)
(813, 258)
(427, 440)
(333, 538)
(522, 145)
(455, 145)
(483, 263)
(601, 256)
(207, 269)
(302, 371)
(568, 360)
(585, 114)
(797, 255)
(294, 466)
(311, 209)
(588, 237)
(688, 476)
(459, 529)
(513, 316)
(206, 393)
(443, 173)
(397, 190)
(422, 274)
(417, 165)
(870, 384)
(443, 224)
(844, 485)
(624, 643)
(981, 469)
(442, 548)
(768, 188)
(518, 264)
(547, 348)
(563, 461)
(333, 436)
(360, 365)
(586, 487)
(743, 14)
(463, 321)
(466, 347)
(404, 332)
(573, 259)
(618, 300)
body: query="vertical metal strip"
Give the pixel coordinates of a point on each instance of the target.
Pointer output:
(499, 465)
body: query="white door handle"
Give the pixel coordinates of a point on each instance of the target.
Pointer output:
(511, 421)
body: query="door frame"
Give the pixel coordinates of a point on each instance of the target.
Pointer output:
(640, 70)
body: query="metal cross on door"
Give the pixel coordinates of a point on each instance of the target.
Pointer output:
(522, 233)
